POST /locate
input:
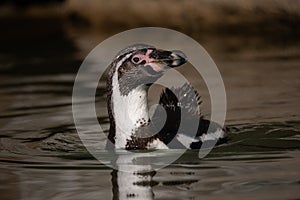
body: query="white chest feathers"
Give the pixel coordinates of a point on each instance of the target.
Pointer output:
(130, 111)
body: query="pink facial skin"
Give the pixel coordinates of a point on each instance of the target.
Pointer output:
(148, 60)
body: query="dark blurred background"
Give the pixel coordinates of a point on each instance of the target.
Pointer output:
(254, 43)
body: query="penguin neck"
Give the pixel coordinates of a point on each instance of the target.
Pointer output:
(127, 112)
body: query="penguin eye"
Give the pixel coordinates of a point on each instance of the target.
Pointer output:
(136, 60)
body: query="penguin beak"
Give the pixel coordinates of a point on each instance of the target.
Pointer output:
(177, 58)
(160, 60)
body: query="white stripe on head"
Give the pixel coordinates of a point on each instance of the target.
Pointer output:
(118, 65)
